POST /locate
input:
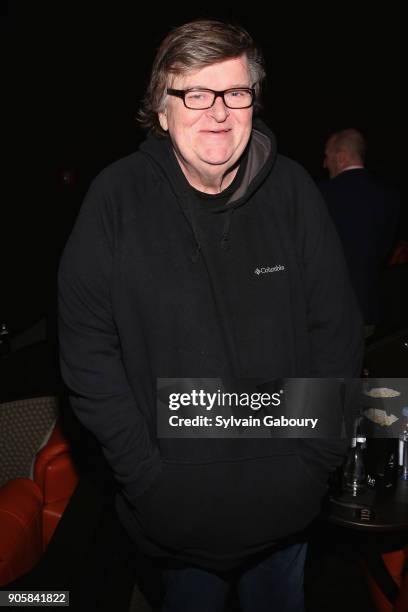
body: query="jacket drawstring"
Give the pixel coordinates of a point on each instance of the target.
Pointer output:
(227, 229)
(195, 256)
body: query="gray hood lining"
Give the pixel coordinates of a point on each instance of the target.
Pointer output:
(259, 152)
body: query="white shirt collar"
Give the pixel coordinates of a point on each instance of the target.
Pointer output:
(355, 167)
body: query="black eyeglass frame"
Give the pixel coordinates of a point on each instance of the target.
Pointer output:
(181, 93)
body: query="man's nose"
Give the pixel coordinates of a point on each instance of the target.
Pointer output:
(218, 110)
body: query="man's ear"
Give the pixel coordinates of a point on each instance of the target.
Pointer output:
(163, 121)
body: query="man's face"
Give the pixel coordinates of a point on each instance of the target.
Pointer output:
(331, 162)
(211, 140)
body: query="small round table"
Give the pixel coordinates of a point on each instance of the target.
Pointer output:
(385, 515)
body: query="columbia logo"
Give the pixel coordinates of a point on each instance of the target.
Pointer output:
(267, 270)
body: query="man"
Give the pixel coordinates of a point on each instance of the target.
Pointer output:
(365, 213)
(208, 254)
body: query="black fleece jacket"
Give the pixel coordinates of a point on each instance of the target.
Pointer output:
(153, 285)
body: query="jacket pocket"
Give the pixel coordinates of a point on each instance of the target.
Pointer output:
(228, 508)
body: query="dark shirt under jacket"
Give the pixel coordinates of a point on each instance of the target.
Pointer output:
(365, 212)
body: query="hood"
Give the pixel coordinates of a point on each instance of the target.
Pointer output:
(261, 159)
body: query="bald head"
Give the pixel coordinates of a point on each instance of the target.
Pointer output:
(343, 149)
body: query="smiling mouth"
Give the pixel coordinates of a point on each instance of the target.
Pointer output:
(216, 131)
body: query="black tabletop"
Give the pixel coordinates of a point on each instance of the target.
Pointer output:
(371, 511)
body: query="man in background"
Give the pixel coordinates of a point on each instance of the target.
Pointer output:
(365, 212)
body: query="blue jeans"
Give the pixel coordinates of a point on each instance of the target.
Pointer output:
(274, 584)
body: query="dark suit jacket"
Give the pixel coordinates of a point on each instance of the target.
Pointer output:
(365, 212)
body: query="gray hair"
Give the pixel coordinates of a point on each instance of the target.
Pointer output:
(193, 46)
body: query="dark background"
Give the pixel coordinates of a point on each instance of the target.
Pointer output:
(78, 73)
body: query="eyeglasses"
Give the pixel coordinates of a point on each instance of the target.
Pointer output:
(200, 99)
